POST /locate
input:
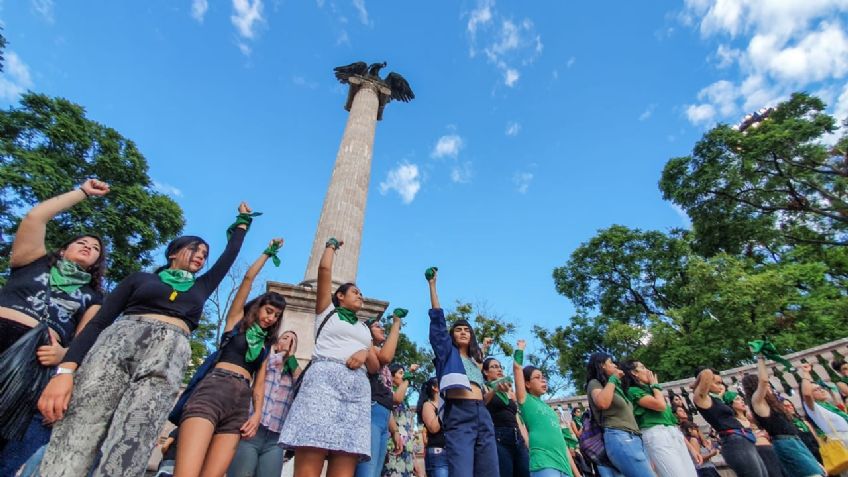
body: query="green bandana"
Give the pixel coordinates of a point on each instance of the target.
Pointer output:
(333, 242)
(290, 365)
(255, 337)
(518, 356)
(500, 394)
(271, 251)
(430, 273)
(799, 424)
(242, 218)
(67, 276)
(767, 349)
(400, 312)
(618, 390)
(830, 407)
(728, 397)
(346, 315)
(180, 280)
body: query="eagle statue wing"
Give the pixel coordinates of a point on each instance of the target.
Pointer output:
(400, 88)
(345, 72)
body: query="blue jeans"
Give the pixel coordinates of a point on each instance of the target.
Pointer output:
(436, 462)
(605, 471)
(16, 453)
(258, 456)
(795, 457)
(379, 442)
(513, 458)
(627, 453)
(741, 455)
(470, 439)
(549, 473)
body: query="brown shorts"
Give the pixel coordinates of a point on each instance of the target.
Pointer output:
(223, 398)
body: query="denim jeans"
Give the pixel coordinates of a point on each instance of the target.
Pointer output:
(795, 457)
(627, 453)
(379, 442)
(513, 458)
(548, 473)
(16, 453)
(470, 439)
(258, 456)
(605, 471)
(436, 462)
(667, 450)
(741, 455)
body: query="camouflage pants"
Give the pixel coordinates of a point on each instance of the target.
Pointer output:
(122, 394)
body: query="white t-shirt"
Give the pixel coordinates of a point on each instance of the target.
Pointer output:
(339, 339)
(827, 421)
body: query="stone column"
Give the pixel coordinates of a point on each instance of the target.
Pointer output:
(343, 213)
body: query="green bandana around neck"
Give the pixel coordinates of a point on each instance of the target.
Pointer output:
(346, 315)
(255, 337)
(271, 251)
(67, 276)
(290, 365)
(179, 280)
(767, 349)
(832, 408)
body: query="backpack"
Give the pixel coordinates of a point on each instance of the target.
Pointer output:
(204, 369)
(592, 438)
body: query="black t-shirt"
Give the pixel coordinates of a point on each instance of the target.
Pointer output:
(503, 415)
(27, 290)
(145, 293)
(171, 453)
(234, 353)
(720, 416)
(380, 392)
(777, 424)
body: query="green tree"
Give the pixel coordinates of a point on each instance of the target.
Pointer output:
(47, 146)
(486, 325)
(202, 342)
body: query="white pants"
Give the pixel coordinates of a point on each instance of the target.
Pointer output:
(668, 452)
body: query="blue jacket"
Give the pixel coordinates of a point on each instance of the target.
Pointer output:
(449, 368)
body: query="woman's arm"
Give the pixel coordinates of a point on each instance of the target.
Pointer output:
(430, 417)
(758, 399)
(236, 311)
(54, 353)
(249, 428)
(807, 385)
(701, 393)
(656, 401)
(577, 432)
(324, 296)
(212, 278)
(518, 371)
(522, 428)
(386, 353)
(602, 398)
(400, 393)
(434, 295)
(29, 238)
(372, 362)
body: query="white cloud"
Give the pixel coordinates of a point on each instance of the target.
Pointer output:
(167, 189)
(244, 48)
(343, 38)
(44, 8)
(448, 145)
(522, 181)
(506, 43)
(359, 5)
(684, 217)
(15, 79)
(303, 82)
(570, 62)
(404, 179)
(649, 111)
(513, 128)
(462, 173)
(247, 14)
(198, 9)
(785, 46)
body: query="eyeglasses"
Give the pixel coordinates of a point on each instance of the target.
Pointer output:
(494, 366)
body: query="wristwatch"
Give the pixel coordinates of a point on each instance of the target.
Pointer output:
(61, 370)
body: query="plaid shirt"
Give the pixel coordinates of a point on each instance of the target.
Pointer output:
(278, 396)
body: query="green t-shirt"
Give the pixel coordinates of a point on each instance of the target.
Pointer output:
(647, 418)
(620, 413)
(547, 446)
(570, 441)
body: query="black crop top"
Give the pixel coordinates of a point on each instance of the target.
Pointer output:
(145, 293)
(777, 424)
(26, 291)
(234, 353)
(720, 416)
(503, 415)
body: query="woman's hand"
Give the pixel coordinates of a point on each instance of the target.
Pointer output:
(94, 188)
(276, 241)
(52, 354)
(243, 208)
(398, 441)
(521, 344)
(487, 343)
(504, 387)
(249, 428)
(652, 378)
(55, 398)
(413, 367)
(357, 359)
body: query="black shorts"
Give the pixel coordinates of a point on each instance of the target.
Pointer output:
(223, 398)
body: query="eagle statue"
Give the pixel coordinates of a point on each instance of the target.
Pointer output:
(394, 81)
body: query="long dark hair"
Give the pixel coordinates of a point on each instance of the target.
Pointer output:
(251, 313)
(343, 288)
(180, 243)
(629, 367)
(474, 351)
(425, 394)
(97, 269)
(527, 371)
(750, 382)
(595, 368)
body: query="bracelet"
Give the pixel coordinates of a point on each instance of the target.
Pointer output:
(84, 192)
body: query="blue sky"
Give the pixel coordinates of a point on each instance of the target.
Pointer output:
(534, 124)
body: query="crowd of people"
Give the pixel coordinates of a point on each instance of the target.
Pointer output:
(88, 379)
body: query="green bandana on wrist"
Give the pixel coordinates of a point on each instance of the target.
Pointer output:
(400, 312)
(242, 218)
(430, 273)
(271, 251)
(67, 276)
(290, 365)
(518, 356)
(333, 242)
(255, 337)
(179, 280)
(346, 315)
(767, 349)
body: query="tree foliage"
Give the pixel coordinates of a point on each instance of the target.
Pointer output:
(48, 146)
(486, 325)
